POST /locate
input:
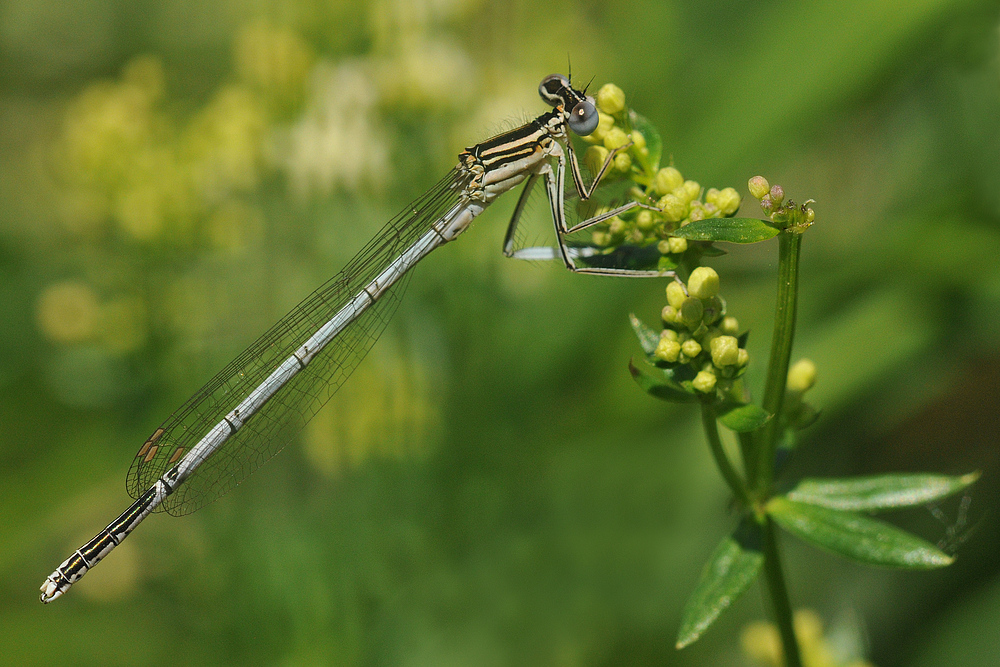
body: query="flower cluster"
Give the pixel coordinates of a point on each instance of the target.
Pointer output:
(697, 334)
(781, 211)
(669, 200)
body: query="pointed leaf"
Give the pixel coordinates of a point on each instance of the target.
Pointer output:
(879, 492)
(731, 230)
(657, 382)
(648, 338)
(856, 536)
(727, 574)
(743, 418)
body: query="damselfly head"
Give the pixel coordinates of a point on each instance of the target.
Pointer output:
(556, 90)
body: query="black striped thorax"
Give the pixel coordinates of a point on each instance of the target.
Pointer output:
(516, 144)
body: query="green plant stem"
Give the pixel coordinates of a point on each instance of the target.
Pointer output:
(710, 421)
(789, 245)
(778, 592)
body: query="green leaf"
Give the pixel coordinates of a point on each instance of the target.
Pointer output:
(727, 574)
(803, 417)
(648, 338)
(658, 382)
(731, 230)
(856, 536)
(711, 251)
(879, 492)
(652, 137)
(743, 418)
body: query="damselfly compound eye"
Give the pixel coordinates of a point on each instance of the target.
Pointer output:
(584, 118)
(551, 88)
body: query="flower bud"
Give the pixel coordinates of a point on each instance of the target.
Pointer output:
(704, 381)
(691, 348)
(676, 296)
(670, 334)
(604, 124)
(677, 245)
(663, 247)
(691, 312)
(601, 238)
(703, 282)
(758, 187)
(623, 162)
(801, 376)
(669, 315)
(667, 350)
(728, 201)
(729, 326)
(594, 158)
(667, 180)
(638, 140)
(674, 209)
(610, 99)
(615, 138)
(777, 195)
(616, 226)
(690, 190)
(743, 359)
(725, 351)
(645, 221)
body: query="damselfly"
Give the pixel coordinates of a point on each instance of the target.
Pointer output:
(250, 410)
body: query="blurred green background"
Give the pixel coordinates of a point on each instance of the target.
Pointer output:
(490, 488)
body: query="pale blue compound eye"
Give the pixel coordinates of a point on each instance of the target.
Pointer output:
(583, 119)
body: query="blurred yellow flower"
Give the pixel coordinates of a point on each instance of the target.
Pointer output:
(67, 312)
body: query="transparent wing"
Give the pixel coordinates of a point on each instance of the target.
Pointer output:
(285, 414)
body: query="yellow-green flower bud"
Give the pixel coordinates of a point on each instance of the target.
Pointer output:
(667, 180)
(691, 312)
(670, 334)
(676, 296)
(669, 315)
(601, 238)
(638, 140)
(758, 187)
(801, 376)
(623, 162)
(704, 382)
(644, 220)
(689, 190)
(810, 216)
(636, 236)
(676, 245)
(743, 358)
(727, 201)
(697, 211)
(691, 348)
(615, 138)
(610, 99)
(594, 158)
(729, 326)
(674, 208)
(725, 351)
(663, 247)
(604, 124)
(667, 350)
(616, 226)
(703, 282)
